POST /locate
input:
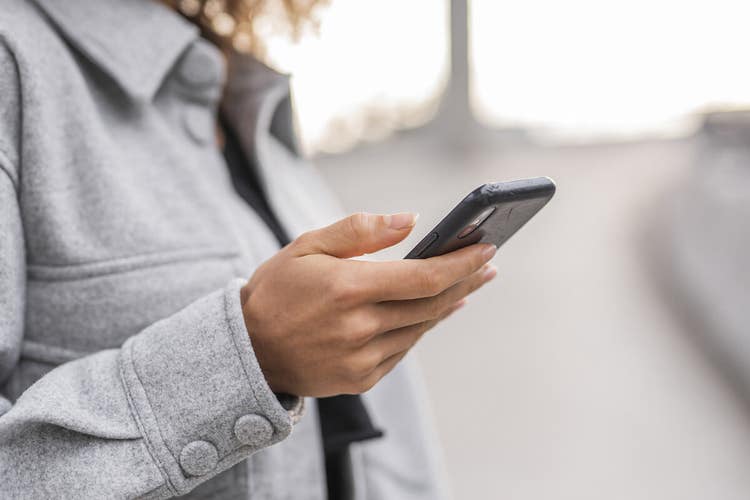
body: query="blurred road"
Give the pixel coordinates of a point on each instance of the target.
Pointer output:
(584, 380)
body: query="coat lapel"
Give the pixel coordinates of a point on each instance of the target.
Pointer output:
(258, 106)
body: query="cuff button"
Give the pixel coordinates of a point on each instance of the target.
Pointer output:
(199, 458)
(253, 430)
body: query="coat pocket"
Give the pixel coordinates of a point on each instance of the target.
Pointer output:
(89, 307)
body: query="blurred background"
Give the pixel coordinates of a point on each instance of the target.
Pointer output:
(611, 359)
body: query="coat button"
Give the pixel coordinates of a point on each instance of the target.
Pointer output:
(199, 458)
(202, 66)
(253, 430)
(199, 123)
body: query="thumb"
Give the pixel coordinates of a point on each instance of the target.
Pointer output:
(358, 234)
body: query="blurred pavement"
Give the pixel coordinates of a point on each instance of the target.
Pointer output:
(583, 378)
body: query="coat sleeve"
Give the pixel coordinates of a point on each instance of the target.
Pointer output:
(179, 402)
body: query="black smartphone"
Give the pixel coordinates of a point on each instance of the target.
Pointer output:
(492, 213)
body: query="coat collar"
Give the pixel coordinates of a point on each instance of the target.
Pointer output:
(257, 101)
(135, 42)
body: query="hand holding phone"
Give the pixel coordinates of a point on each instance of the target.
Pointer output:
(352, 320)
(367, 315)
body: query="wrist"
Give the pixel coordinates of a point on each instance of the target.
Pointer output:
(244, 295)
(257, 346)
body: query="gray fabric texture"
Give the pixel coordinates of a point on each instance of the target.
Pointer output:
(126, 370)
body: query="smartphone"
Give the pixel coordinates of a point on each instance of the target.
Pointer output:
(492, 213)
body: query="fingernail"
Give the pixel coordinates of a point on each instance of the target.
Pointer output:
(402, 220)
(489, 274)
(489, 251)
(458, 305)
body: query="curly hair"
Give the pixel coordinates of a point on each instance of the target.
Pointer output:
(242, 25)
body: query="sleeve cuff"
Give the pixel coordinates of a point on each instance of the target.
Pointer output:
(198, 394)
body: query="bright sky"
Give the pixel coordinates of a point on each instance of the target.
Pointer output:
(577, 69)
(583, 68)
(386, 57)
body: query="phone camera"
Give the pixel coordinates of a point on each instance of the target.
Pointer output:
(473, 225)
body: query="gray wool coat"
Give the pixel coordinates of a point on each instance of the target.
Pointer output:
(125, 367)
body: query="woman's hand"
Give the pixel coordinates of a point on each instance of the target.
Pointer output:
(323, 325)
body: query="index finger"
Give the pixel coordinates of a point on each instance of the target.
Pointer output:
(419, 278)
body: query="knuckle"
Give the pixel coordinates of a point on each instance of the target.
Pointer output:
(342, 335)
(357, 368)
(304, 239)
(366, 325)
(375, 324)
(357, 329)
(343, 290)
